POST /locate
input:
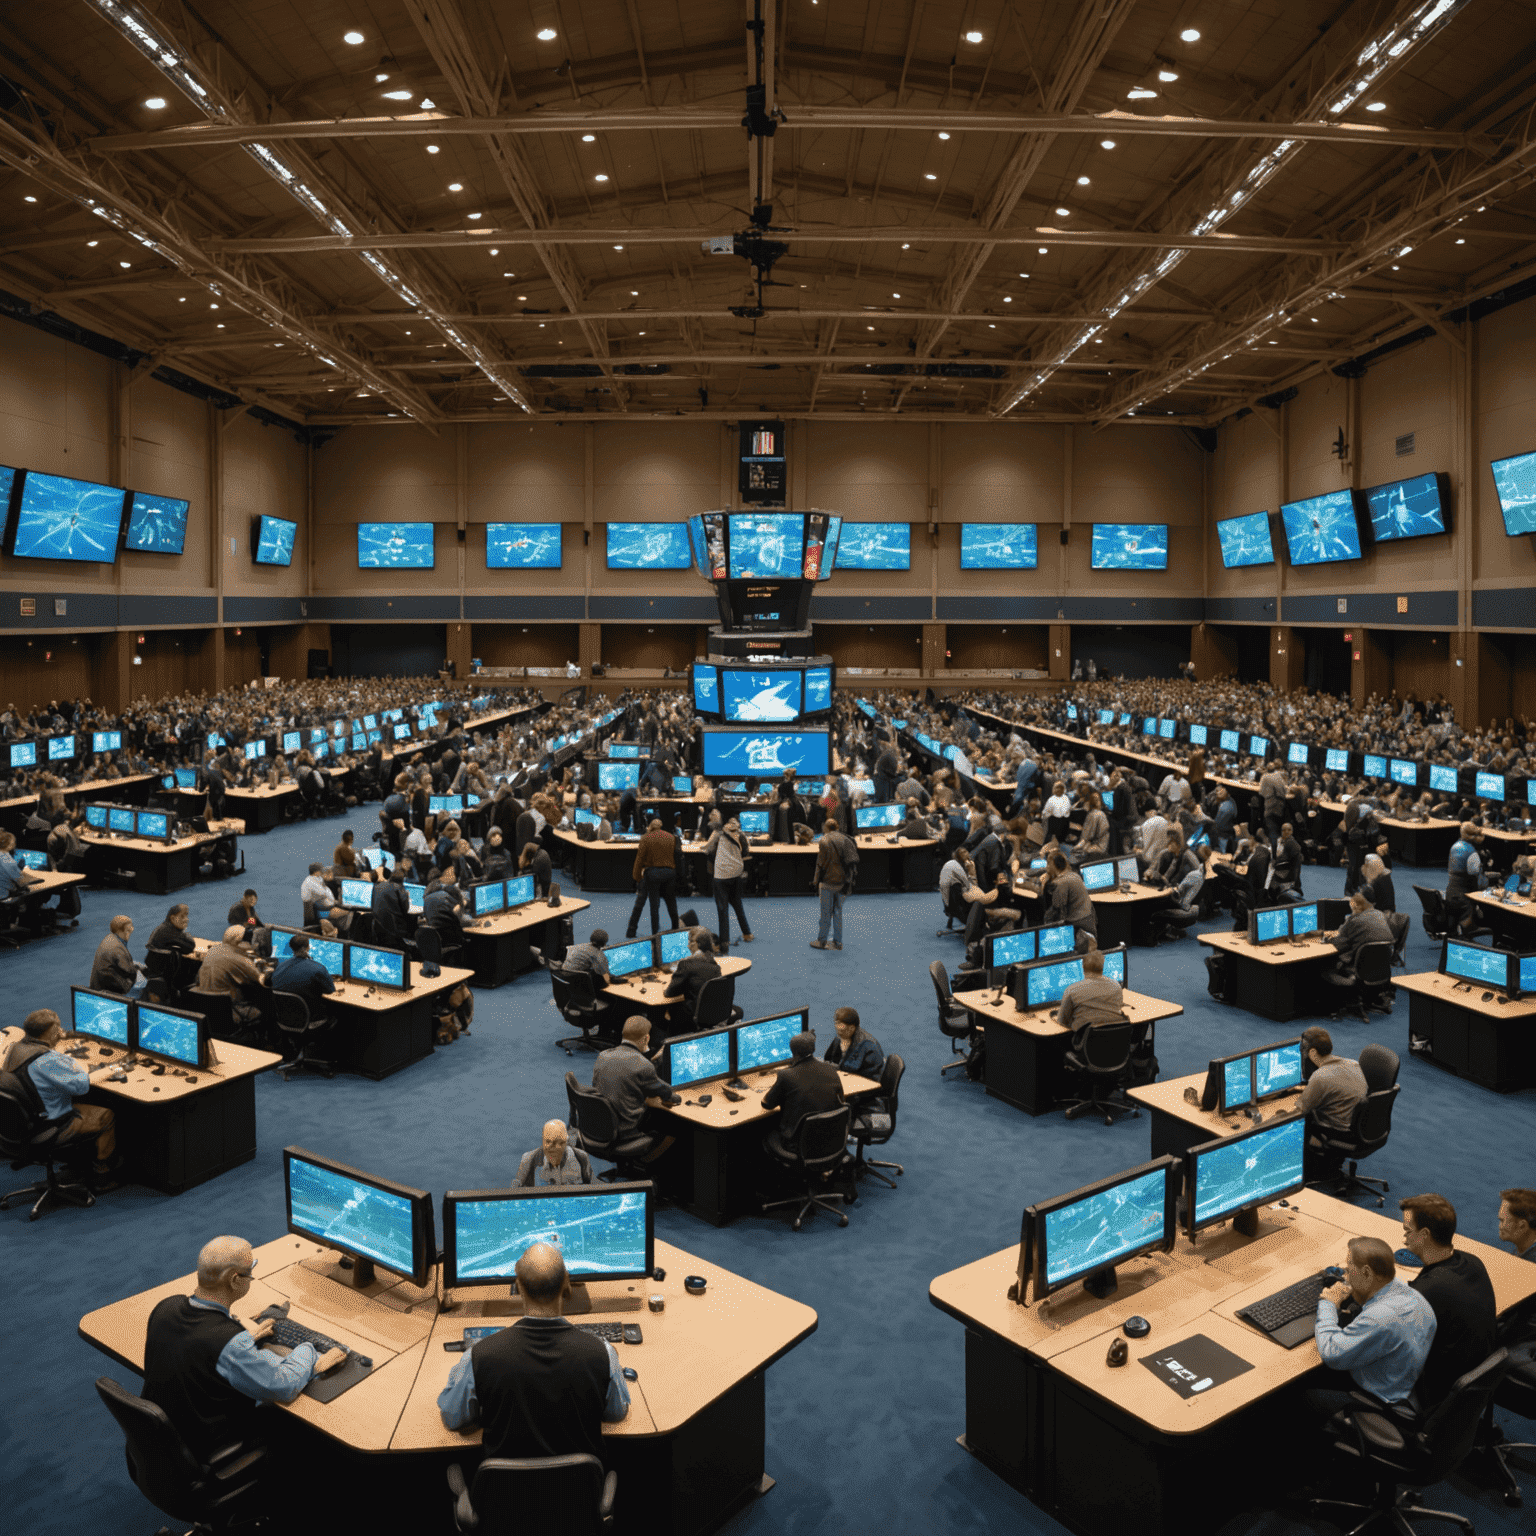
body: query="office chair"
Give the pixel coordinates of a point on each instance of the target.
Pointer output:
(26, 1142)
(821, 1151)
(957, 908)
(311, 918)
(955, 1023)
(1436, 920)
(1370, 984)
(290, 1014)
(1399, 924)
(1103, 1052)
(1517, 1393)
(163, 968)
(876, 1124)
(1233, 889)
(217, 1008)
(576, 998)
(1402, 1457)
(716, 1003)
(215, 1494)
(12, 934)
(596, 1129)
(568, 1493)
(1369, 1127)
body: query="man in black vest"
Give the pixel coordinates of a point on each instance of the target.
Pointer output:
(805, 1087)
(205, 1369)
(540, 1387)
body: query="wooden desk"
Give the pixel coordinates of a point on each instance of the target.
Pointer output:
(158, 867)
(48, 882)
(1178, 1125)
(689, 1453)
(263, 806)
(1276, 981)
(131, 789)
(720, 1166)
(1124, 916)
(632, 993)
(1026, 1052)
(1107, 1449)
(498, 946)
(1513, 921)
(1420, 843)
(1492, 1043)
(175, 1133)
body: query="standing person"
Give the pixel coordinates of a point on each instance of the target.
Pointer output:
(837, 866)
(727, 849)
(655, 876)
(887, 766)
(1464, 874)
(1272, 788)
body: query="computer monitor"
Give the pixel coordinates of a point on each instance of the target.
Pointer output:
(490, 897)
(624, 749)
(585, 818)
(445, 805)
(377, 858)
(152, 824)
(765, 1042)
(1476, 964)
(1099, 877)
(603, 1231)
(1166, 729)
(331, 953)
(1084, 1235)
(177, 1036)
(1198, 735)
(1046, 980)
(1004, 949)
(292, 741)
(1234, 1176)
(121, 818)
(1442, 778)
(1297, 753)
(1486, 786)
(754, 822)
(1336, 759)
(1258, 746)
(103, 1016)
(357, 893)
(681, 784)
(1124, 719)
(1269, 925)
(672, 945)
(1402, 770)
(30, 858)
(1305, 919)
(1127, 870)
(625, 959)
(106, 741)
(1374, 766)
(377, 967)
(520, 891)
(1230, 741)
(416, 895)
(698, 1058)
(96, 816)
(1276, 1069)
(1149, 726)
(1525, 974)
(374, 1220)
(866, 818)
(258, 748)
(618, 775)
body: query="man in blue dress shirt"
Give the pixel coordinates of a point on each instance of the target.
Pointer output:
(53, 1081)
(206, 1369)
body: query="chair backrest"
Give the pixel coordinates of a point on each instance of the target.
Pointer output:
(940, 979)
(1371, 1122)
(1449, 1432)
(975, 923)
(18, 1119)
(890, 1084)
(290, 1012)
(1373, 964)
(429, 943)
(592, 1115)
(310, 920)
(161, 1465)
(822, 1139)
(215, 1007)
(957, 905)
(549, 1492)
(1398, 923)
(1431, 900)
(163, 963)
(715, 999)
(1380, 1065)
(1107, 1047)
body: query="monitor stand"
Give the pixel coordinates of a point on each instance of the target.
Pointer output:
(1246, 1223)
(362, 1274)
(1101, 1282)
(581, 1300)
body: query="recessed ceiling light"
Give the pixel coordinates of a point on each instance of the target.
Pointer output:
(397, 95)
(428, 105)
(943, 135)
(869, 327)
(522, 298)
(546, 34)
(213, 306)
(589, 138)
(1140, 93)
(1190, 35)
(1397, 268)
(973, 36)
(929, 176)
(895, 295)
(642, 333)
(380, 79)
(1041, 249)
(1082, 181)
(1406, 250)
(1063, 213)
(1461, 242)
(1098, 341)
(353, 37)
(93, 242)
(1314, 319)
(1106, 143)
(125, 263)
(1167, 76)
(431, 149)
(455, 186)
(182, 300)
(1007, 298)
(277, 343)
(600, 177)
(508, 274)
(634, 293)
(477, 215)
(618, 247)
(1375, 106)
(495, 251)
(29, 198)
(906, 247)
(155, 103)
(221, 325)
(991, 327)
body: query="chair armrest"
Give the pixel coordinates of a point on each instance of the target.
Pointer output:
(610, 1493)
(464, 1515)
(227, 1454)
(240, 1465)
(1376, 1432)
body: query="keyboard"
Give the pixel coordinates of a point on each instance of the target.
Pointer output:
(1289, 1317)
(609, 1333)
(290, 1335)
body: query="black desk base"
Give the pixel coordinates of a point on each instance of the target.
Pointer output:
(496, 958)
(156, 872)
(379, 1043)
(603, 866)
(187, 1140)
(1278, 992)
(1423, 847)
(1494, 1053)
(1127, 923)
(261, 813)
(1023, 1069)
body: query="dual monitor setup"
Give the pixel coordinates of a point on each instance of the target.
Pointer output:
(1511, 976)
(490, 897)
(1250, 1078)
(1085, 1234)
(1045, 965)
(1110, 874)
(345, 959)
(1274, 925)
(63, 748)
(633, 956)
(358, 894)
(603, 1231)
(139, 1028)
(127, 821)
(752, 1045)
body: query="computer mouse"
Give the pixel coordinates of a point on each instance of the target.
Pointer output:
(633, 1334)
(631, 1374)
(705, 1098)
(1487, 997)
(1118, 1353)
(119, 1076)
(158, 1071)
(1136, 1327)
(364, 1361)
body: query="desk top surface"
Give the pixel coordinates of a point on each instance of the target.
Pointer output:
(695, 1351)
(356, 994)
(144, 1088)
(216, 830)
(45, 881)
(1470, 996)
(1139, 1009)
(720, 1114)
(1194, 1289)
(531, 916)
(1168, 1098)
(864, 840)
(1520, 906)
(630, 989)
(90, 787)
(1291, 952)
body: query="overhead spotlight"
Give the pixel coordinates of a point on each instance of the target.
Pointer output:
(869, 327)
(182, 299)
(125, 263)
(155, 103)
(380, 79)
(1007, 298)
(618, 247)
(589, 138)
(1140, 93)
(476, 215)
(1063, 213)
(546, 34)
(1167, 76)
(906, 247)
(29, 198)
(432, 149)
(1023, 274)
(495, 251)
(506, 274)
(1406, 250)
(397, 95)
(93, 242)
(929, 176)
(895, 295)
(600, 177)
(634, 293)
(455, 186)
(1082, 181)
(943, 135)
(1461, 242)
(1375, 106)
(973, 36)
(1106, 143)
(1041, 249)
(353, 37)
(1189, 35)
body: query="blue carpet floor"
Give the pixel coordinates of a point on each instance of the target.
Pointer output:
(862, 1418)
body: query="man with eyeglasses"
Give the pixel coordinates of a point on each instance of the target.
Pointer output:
(206, 1369)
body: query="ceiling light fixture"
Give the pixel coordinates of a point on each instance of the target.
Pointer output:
(1375, 106)
(1023, 274)
(29, 198)
(93, 242)
(1461, 242)
(1041, 250)
(600, 177)
(943, 135)
(495, 251)
(155, 103)
(589, 138)
(380, 79)
(1140, 93)
(397, 95)
(477, 215)
(546, 34)
(1190, 35)
(973, 36)
(508, 274)
(634, 293)
(618, 247)
(125, 263)
(906, 247)
(1063, 213)
(1007, 298)
(455, 186)
(1082, 181)
(352, 37)
(431, 149)
(1106, 143)
(895, 295)
(929, 176)
(1167, 76)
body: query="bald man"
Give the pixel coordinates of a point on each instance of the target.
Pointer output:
(205, 1369)
(556, 1161)
(540, 1387)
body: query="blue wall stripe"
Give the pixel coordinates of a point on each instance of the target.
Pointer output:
(1426, 610)
(1504, 608)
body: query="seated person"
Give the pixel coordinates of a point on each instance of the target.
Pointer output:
(1286, 856)
(626, 1076)
(1384, 1347)
(805, 1087)
(172, 933)
(691, 972)
(344, 858)
(554, 1161)
(540, 1387)
(590, 957)
(853, 1048)
(1184, 910)
(916, 825)
(391, 907)
(53, 1081)
(1517, 1221)
(114, 969)
(1376, 882)
(1457, 1288)
(205, 1369)
(495, 856)
(1096, 999)
(226, 968)
(243, 914)
(1067, 899)
(304, 977)
(1364, 925)
(316, 893)
(1332, 1086)
(445, 909)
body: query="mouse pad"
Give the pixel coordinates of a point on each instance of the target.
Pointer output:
(1195, 1365)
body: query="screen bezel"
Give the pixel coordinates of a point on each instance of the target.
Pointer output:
(1478, 981)
(1192, 1167)
(200, 1020)
(455, 1197)
(727, 1030)
(372, 981)
(112, 997)
(423, 1227)
(804, 1015)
